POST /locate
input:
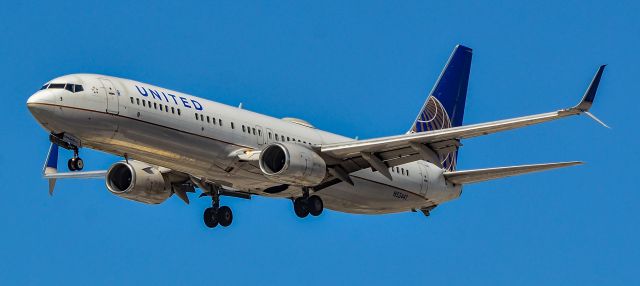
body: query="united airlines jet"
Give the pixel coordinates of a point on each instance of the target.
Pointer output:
(173, 143)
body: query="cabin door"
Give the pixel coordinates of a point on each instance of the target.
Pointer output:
(424, 178)
(260, 135)
(112, 95)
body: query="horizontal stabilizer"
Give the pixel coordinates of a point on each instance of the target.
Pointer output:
(480, 175)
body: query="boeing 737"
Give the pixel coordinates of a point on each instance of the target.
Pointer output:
(172, 143)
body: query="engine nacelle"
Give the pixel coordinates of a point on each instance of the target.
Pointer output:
(138, 181)
(292, 164)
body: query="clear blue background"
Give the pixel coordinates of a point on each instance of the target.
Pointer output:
(358, 69)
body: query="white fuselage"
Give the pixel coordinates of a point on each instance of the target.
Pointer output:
(204, 138)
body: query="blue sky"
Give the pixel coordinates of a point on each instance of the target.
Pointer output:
(358, 69)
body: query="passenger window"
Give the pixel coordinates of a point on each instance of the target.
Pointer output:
(220, 122)
(173, 111)
(269, 135)
(143, 103)
(179, 112)
(243, 129)
(201, 117)
(276, 137)
(259, 132)
(155, 106)
(232, 126)
(196, 116)
(208, 119)
(131, 100)
(254, 131)
(407, 172)
(69, 87)
(213, 119)
(166, 108)
(138, 101)
(288, 139)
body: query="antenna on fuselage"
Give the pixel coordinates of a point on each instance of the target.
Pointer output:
(240, 105)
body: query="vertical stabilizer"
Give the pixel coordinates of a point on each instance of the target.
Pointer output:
(444, 107)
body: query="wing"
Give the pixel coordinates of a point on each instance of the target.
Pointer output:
(382, 153)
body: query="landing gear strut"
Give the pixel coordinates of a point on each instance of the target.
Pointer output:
(305, 205)
(216, 214)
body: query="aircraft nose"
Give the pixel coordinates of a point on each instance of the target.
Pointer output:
(41, 97)
(41, 106)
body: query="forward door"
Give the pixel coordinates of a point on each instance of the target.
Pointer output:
(112, 95)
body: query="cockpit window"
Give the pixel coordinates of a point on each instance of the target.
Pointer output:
(56, 85)
(68, 86)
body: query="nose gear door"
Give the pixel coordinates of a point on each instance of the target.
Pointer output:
(112, 95)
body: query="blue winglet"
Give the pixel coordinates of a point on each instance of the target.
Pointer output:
(51, 166)
(52, 158)
(590, 94)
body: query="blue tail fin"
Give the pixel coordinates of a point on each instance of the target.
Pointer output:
(444, 108)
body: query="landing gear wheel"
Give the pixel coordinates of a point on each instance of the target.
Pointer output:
(300, 207)
(79, 164)
(225, 216)
(71, 164)
(210, 217)
(315, 205)
(75, 164)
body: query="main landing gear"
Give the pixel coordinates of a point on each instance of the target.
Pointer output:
(305, 205)
(216, 214)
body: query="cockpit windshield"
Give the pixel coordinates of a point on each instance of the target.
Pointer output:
(68, 86)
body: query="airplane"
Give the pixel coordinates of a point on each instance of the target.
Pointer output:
(173, 143)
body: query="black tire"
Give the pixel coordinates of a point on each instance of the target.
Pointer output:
(79, 164)
(225, 216)
(210, 218)
(300, 207)
(71, 164)
(315, 205)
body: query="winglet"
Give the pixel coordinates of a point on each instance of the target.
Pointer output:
(590, 94)
(51, 166)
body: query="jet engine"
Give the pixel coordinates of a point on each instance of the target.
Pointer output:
(293, 164)
(138, 181)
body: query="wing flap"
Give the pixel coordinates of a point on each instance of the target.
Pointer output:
(480, 175)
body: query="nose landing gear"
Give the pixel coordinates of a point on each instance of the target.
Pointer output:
(70, 143)
(75, 163)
